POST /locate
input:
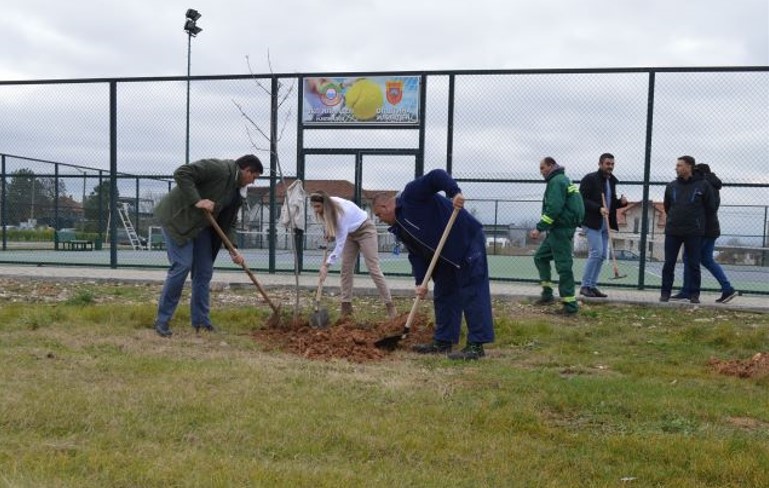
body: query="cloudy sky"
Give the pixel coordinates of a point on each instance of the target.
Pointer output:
(504, 125)
(110, 38)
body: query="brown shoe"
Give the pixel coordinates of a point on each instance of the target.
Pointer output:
(346, 309)
(392, 312)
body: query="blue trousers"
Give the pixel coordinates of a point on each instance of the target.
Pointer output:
(464, 290)
(707, 261)
(196, 257)
(692, 247)
(597, 252)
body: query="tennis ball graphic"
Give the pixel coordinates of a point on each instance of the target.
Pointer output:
(364, 98)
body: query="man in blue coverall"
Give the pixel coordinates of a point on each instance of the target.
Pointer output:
(417, 218)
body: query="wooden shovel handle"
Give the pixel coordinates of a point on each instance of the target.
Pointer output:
(430, 269)
(231, 249)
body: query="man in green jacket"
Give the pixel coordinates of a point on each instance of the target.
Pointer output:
(209, 185)
(562, 212)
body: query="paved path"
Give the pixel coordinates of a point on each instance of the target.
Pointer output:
(363, 285)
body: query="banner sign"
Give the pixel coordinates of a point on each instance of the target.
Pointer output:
(371, 100)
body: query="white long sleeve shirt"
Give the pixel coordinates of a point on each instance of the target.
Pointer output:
(347, 222)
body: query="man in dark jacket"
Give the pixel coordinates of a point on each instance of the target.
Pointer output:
(210, 185)
(688, 201)
(562, 211)
(418, 218)
(712, 232)
(599, 192)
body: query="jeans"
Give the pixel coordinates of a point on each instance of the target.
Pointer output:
(706, 260)
(195, 256)
(692, 247)
(597, 252)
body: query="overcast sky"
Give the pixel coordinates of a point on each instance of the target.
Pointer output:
(110, 38)
(721, 118)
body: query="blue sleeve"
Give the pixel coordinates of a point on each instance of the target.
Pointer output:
(424, 187)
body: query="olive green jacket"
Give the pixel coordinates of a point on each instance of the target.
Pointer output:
(217, 180)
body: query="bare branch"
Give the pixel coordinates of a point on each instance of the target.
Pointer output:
(250, 120)
(253, 76)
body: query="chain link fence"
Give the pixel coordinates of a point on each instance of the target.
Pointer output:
(87, 160)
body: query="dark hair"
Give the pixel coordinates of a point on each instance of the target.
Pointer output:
(702, 168)
(549, 161)
(251, 162)
(605, 156)
(688, 160)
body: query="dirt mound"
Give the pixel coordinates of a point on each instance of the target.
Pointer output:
(757, 366)
(344, 339)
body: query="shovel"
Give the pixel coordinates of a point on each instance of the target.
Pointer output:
(617, 276)
(275, 318)
(391, 342)
(319, 318)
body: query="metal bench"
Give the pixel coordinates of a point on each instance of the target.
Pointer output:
(68, 242)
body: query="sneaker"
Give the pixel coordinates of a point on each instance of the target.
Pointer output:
(471, 352)
(598, 293)
(587, 292)
(665, 297)
(435, 347)
(694, 299)
(163, 330)
(727, 296)
(680, 296)
(544, 300)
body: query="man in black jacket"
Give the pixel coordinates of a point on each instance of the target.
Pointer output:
(688, 201)
(599, 192)
(712, 232)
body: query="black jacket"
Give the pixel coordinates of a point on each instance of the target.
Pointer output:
(687, 205)
(591, 187)
(712, 226)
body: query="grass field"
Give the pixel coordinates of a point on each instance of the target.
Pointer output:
(619, 396)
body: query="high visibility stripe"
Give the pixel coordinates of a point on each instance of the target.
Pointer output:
(573, 188)
(569, 299)
(547, 220)
(546, 284)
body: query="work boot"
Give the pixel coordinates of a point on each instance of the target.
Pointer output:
(680, 296)
(545, 297)
(665, 296)
(435, 347)
(163, 330)
(392, 312)
(346, 309)
(471, 352)
(569, 309)
(694, 299)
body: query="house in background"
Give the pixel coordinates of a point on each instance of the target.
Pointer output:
(628, 237)
(256, 213)
(629, 220)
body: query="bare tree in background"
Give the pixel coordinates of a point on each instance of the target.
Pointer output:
(255, 132)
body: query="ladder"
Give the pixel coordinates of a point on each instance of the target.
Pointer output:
(133, 237)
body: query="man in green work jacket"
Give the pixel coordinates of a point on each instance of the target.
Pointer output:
(562, 212)
(209, 185)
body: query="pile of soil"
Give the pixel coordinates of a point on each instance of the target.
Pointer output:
(757, 366)
(344, 339)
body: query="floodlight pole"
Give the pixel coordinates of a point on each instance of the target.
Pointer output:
(187, 133)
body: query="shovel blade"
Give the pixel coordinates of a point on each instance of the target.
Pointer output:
(389, 343)
(319, 319)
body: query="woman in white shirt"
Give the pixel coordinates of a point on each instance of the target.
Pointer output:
(354, 233)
